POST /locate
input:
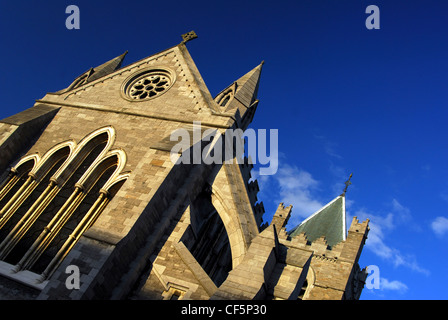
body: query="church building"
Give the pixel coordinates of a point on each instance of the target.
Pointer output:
(89, 188)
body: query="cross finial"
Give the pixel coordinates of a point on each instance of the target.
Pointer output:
(347, 183)
(189, 36)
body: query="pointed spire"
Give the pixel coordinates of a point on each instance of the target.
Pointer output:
(240, 98)
(245, 89)
(247, 86)
(107, 67)
(329, 221)
(97, 72)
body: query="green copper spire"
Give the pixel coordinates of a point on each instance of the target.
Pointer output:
(330, 222)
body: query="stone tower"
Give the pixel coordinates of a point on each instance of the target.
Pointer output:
(90, 185)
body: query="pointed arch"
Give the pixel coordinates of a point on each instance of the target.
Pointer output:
(26, 162)
(112, 187)
(225, 96)
(31, 202)
(103, 136)
(21, 169)
(237, 242)
(19, 191)
(106, 194)
(308, 285)
(23, 206)
(80, 181)
(52, 156)
(209, 243)
(67, 219)
(16, 178)
(115, 158)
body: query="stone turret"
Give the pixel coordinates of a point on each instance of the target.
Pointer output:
(335, 271)
(96, 187)
(281, 216)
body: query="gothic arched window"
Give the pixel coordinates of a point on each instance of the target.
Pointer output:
(223, 102)
(225, 96)
(210, 247)
(16, 179)
(308, 285)
(47, 203)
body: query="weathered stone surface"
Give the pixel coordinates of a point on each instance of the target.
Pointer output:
(188, 231)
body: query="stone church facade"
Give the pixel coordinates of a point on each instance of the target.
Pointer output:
(88, 181)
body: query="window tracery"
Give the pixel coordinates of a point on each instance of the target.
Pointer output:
(224, 98)
(47, 203)
(147, 84)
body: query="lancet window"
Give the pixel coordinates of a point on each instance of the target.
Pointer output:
(226, 96)
(48, 202)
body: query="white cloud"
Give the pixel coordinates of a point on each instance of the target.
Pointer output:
(296, 187)
(394, 285)
(440, 226)
(403, 213)
(387, 285)
(292, 186)
(329, 146)
(380, 227)
(444, 195)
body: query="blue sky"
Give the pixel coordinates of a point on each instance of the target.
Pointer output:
(344, 99)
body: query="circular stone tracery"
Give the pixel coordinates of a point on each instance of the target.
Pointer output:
(148, 84)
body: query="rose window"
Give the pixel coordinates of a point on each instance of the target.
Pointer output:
(147, 85)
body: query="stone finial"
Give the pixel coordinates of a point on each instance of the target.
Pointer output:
(189, 36)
